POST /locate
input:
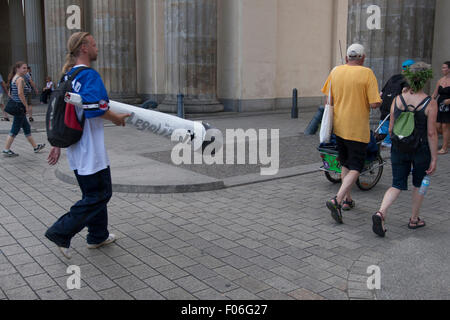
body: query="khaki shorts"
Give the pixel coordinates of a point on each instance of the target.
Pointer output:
(29, 99)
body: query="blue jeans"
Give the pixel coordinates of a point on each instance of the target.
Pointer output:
(91, 211)
(20, 122)
(385, 130)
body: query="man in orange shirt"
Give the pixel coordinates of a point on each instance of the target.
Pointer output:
(354, 91)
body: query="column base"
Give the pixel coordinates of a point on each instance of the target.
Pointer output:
(127, 99)
(194, 108)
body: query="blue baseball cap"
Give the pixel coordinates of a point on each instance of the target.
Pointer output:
(407, 63)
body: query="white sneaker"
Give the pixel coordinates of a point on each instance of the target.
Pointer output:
(112, 238)
(9, 153)
(65, 252)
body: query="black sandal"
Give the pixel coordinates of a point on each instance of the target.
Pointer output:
(348, 205)
(417, 225)
(5, 119)
(378, 224)
(335, 209)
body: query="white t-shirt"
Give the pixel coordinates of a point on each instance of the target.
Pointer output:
(49, 85)
(89, 155)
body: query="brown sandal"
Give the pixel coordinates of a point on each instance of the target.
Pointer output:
(378, 219)
(348, 205)
(416, 225)
(335, 209)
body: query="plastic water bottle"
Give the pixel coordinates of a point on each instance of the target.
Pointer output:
(425, 185)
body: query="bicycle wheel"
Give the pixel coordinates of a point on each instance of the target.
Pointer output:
(371, 175)
(333, 177)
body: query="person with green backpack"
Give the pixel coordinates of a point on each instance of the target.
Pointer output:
(414, 145)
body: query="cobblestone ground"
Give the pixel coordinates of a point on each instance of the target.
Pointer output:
(273, 240)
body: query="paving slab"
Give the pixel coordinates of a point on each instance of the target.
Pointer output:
(252, 238)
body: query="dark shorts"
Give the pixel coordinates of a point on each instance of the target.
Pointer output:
(352, 154)
(403, 162)
(443, 117)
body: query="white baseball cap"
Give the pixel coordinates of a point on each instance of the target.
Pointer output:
(355, 50)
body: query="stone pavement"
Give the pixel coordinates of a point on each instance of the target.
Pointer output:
(267, 240)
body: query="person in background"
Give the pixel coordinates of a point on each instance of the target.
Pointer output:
(30, 84)
(47, 90)
(17, 83)
(3, 96)
(424, 160)
(393, 87)
(442, 93)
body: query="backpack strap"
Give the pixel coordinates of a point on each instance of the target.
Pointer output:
(76, 72)
(425, 102)
(73, 76)
(404, 103)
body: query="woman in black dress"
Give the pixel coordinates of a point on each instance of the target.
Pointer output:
(443, 92)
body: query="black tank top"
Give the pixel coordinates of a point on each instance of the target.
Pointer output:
(421, 119)
(444, 94)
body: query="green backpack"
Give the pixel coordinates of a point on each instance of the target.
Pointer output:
(405, 137)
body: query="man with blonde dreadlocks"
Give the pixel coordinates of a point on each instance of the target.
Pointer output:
(87, 158)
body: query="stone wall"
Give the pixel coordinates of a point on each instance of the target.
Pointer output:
(406, 32)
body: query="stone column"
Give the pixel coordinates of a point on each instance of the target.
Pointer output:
(5, 41)
(114, 28)
(150, 49)
(57, 33)
(406, 33)
(35, 41)
(441, 46)
(191, 53)
(18, 33)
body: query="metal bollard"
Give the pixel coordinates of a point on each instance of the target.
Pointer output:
(180, 106)
(316, 120)
(294, 112)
